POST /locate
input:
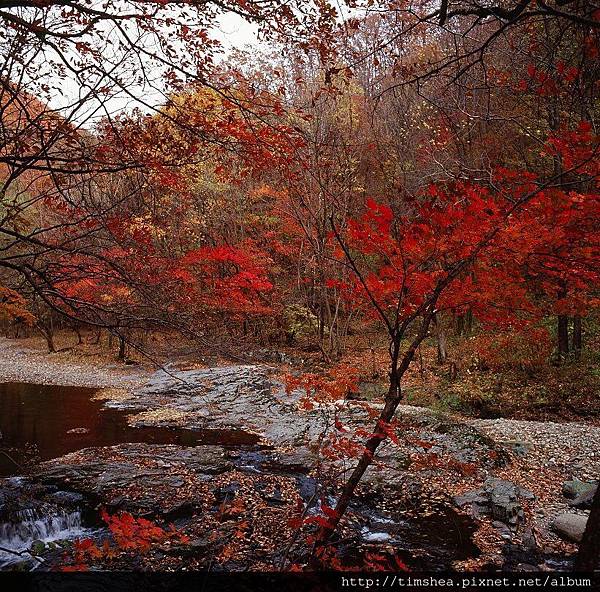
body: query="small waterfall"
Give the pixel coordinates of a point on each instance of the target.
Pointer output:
(30, 525)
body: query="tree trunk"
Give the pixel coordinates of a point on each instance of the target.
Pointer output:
(50, 341)
(453, 371)
(122, 348)
(469, 321)
(588, 558)
(394, 396)
(48, 334)
(577, 336)
(460, 324)
(392, 400)
(563, 335)
(442, 352)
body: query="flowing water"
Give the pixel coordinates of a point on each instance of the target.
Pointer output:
(27, 526)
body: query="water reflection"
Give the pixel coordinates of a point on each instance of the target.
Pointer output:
(55, 420)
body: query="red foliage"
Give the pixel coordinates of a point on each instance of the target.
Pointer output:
(130, 534)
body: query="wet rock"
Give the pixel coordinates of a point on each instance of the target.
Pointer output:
(227, 397)
(18, 498)
(301, 460)
(223, 494)
(463, 442)
(68, 499)
(37, 547)
(166, 480)
(107, 474)
(503, 496)
(477, 499)
(375, 537)
(582, 491)
(527, 567)
(248, 398)
(21, 565)
(571, 526)
(575, 487)
(503, 530)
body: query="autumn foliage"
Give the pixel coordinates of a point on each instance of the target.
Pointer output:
(373, 184)
(128, 535)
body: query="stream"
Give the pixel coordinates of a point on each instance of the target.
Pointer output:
(42, 505)
(41, 422)
(46, 421)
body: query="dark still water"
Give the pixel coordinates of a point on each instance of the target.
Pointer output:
(36, 421)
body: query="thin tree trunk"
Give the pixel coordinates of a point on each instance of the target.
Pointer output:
(46, 331)
(460, 325)
(50, 341)
(469, 321)
(442, 352)
(122, 348)
(577, 336)
(588, 558)
(563, 335)
(392, 400)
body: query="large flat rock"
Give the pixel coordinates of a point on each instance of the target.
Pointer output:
(238, 397)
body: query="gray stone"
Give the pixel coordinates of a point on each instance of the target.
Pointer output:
(527, 567)
(517, 447)
(499, 498)
(105, 473)
(503, 529)
(575, 488)
(478, 500)
(571, 526)
(584, 500)
(228, 397)
(503, 496)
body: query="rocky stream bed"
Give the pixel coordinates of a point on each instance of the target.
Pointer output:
(226, 455)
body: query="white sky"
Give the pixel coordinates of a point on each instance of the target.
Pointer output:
(231, 30)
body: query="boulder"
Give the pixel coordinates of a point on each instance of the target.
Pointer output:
(499, 498)
(503, 499)
(575, 488)
(109, 474)
(571, 526)
(584, 500)
(225, 397)
(477, 499)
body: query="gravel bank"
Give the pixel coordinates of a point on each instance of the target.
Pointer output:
(563, 447)
(20, 364)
